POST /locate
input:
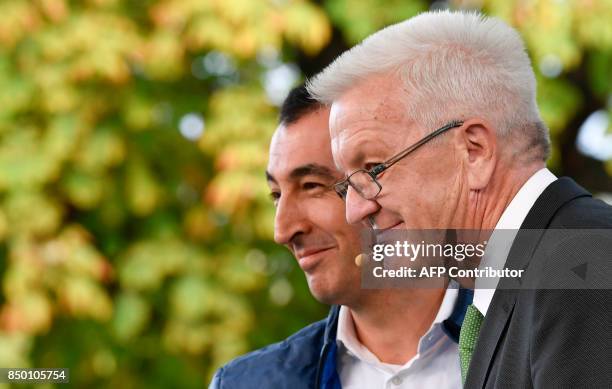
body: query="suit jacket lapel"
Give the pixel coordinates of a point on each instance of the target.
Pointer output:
(554, 197)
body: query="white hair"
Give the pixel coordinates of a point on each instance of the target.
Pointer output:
(454, 65)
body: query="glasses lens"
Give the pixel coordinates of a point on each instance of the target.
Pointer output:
(364, 184)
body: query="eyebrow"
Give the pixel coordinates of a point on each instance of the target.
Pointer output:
(270, 177)
(310, 169)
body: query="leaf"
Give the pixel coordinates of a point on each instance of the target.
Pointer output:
(132, 315)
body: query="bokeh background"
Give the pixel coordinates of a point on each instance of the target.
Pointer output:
(135, 227)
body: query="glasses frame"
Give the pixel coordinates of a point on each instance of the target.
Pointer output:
(341, 187)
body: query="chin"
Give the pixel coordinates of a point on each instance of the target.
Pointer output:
(332, 291)
(324, 292)
(328, 299)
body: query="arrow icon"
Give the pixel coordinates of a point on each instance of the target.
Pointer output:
(580, 270)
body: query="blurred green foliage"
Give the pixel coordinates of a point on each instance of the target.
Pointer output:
(140, 258)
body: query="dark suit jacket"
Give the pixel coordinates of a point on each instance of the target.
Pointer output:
(550, 338)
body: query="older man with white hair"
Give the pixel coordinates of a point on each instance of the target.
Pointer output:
(435, 124)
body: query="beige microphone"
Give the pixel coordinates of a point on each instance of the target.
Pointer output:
(362, 256)
(359, 259)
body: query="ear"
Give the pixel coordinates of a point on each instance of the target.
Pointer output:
(479, 140)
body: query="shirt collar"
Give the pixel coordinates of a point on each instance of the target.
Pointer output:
(347, 337)
(514, 215)
(511, 220)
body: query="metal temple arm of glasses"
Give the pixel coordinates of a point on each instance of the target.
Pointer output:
(394, 159)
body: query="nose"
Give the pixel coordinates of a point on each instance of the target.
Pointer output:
(358, 209)
(289, 221)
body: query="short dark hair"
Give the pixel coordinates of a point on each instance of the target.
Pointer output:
(298, 103)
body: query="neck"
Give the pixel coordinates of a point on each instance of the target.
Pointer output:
(486, 206)
(390, 323)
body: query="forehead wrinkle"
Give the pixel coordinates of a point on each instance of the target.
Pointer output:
(357, 154)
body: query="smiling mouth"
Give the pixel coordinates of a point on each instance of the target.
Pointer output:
(393, 227)
(388, 235)
(308, 253)
(310, 258)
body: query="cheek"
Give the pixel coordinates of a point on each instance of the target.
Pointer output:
(329, 218)
(412, 195)
(329, 213)
(397, 192)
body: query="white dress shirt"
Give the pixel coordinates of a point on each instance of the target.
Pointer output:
(509, 223)
(436, 364)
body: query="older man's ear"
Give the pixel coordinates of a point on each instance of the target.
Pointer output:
(479, 142)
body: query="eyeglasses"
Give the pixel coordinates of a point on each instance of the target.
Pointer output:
(364, 181)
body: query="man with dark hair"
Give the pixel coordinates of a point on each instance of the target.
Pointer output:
(371, 338)
(298, 104)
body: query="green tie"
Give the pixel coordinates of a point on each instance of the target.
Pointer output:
(468, 336)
